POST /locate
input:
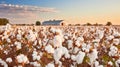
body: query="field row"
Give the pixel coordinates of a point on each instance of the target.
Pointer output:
(59, 46)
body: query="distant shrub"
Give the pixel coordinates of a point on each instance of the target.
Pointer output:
(88, 24)
(108, 23)
(3, 21)
(38, 23)
(77, 24)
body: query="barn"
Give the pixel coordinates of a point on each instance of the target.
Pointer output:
(53, 22)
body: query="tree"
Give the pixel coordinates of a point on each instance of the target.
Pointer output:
(96, 24)
(3, 21)
(108, 24)
(88, 24)
(77, 24)
(38, 23)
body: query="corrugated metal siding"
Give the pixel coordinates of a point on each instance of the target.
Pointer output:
(52, 22)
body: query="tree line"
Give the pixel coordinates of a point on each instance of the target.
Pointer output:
(3, 21)
(89, 24)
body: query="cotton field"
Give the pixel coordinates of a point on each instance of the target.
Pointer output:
(59, 46)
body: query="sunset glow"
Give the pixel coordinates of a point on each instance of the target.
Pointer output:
(72, 11)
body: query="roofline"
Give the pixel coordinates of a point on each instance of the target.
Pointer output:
(53, 20)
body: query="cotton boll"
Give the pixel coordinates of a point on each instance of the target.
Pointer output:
(12, 34)
(35, 52)
(59, 52)
(59, 64)
(117, 63)
(19, 36)
(88, 46)
(36, 34)
(59, 31)
(8, 26)
(35, 56)
(9, 60)
(5, 37)
(73, 57)
(93, 56)
(50, 65)
(116, 33)
(30, 31)
(39, 42)
(72, 65)
(96, 63)
(18, 45)
(113, 51)
(84, 46)
(49, 49)
(100, 66)
(22, 58)
(23, 32)
(57, 41)
(70, 44)
(32, 36)
(20, 66)
(19, 31)
(40, 53)
(2, 28)
(96, 45)
(53, 30)
(3, 63)
(35, 64)
(110, 37)
(78, 41)
(76, 49)
(44, 42)
(6, 52)
(8, 40)
(116, 41)
(35, 43)
(101, 34)
(67, 55)
(80, 57)
(110, 63)
(58, 38)
(5, 33)
(65, 37)
(66, 52)
(38, 47)
(80, 38)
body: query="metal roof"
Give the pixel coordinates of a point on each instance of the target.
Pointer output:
(54, 22)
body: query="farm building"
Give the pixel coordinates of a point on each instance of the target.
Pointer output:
(53, 22)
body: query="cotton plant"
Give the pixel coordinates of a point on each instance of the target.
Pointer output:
(52, 46)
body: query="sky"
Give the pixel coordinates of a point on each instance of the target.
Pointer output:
(72, 11)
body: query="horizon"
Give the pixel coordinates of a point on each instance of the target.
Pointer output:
(72, 11)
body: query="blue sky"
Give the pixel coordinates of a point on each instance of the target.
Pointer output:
(73, 11)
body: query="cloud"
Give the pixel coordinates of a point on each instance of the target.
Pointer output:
(23, 13)
(26, 8)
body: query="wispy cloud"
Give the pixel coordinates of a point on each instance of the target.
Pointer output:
(23, 13)
(19, 8)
